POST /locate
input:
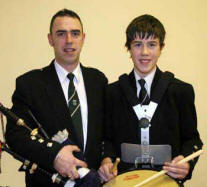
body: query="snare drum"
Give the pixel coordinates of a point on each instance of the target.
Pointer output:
(132, 178)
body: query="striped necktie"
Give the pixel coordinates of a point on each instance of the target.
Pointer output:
(75, 112)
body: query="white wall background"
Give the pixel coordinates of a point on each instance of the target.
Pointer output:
(24, 25)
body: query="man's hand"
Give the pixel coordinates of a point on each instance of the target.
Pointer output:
(105, 170)
(65, 163)
(175, 170)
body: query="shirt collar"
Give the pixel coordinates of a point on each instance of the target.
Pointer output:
(62, 73)
(149, 78)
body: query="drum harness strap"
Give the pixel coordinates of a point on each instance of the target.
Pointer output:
(144, 116)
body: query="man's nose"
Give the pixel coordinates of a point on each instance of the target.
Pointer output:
(69, 38)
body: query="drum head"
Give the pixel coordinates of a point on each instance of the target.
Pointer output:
(132, 178)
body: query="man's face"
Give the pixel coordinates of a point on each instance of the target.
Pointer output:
(144, 54)
(67, 39)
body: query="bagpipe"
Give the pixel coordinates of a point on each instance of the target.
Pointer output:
(88, 177)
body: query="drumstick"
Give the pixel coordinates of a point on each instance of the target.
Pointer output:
(186, 159)
(114, 167)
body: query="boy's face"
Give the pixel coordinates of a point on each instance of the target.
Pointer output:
(145, 53)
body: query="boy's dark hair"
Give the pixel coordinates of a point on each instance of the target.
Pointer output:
(145, 26)
(62, 13)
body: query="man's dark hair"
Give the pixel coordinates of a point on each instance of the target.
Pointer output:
(62, 13)
(145, 26)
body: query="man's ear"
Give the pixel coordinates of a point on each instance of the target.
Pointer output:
(84, 35)
(49, 36)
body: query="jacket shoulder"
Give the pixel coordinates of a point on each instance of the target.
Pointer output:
(181, 89)
(94, 70)
(30, 74)
(97, 74)
(180, 84)
(114, 89)
(35, 74)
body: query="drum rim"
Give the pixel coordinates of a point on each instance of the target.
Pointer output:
(150, 169)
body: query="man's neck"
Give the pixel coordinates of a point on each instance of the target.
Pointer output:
(68, 67)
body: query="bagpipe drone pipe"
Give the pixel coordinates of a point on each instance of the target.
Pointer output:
(88, 177)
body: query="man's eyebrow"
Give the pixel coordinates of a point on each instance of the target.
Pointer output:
(74, 30)
(60, 31)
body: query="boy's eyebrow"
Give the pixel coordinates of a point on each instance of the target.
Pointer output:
(140, 41)
(137, 41)
(153, 41)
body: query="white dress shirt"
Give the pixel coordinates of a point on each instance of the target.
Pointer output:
(148, 79)
(80, 88)
(144, 110)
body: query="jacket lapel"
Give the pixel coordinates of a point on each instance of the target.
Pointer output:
(133, 81)
(157, 76)
(88, 82)
(130, 112)
(58, 102)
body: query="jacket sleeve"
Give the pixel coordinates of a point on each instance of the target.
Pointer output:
(190, 138)
(108, 147)
(19, 139)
